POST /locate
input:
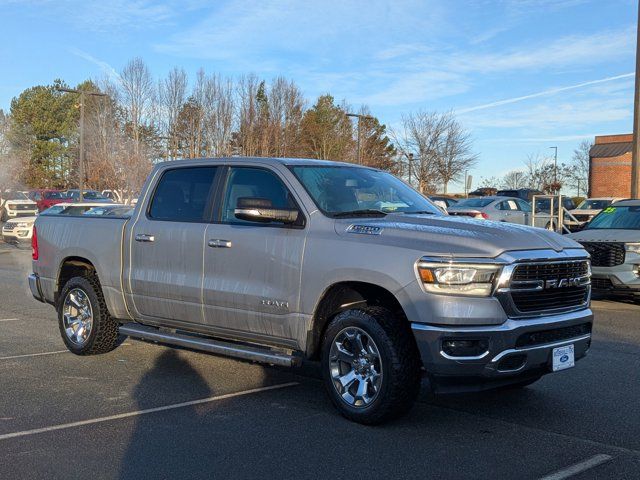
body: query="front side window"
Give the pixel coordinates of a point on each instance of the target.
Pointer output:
(337, 191)
(256, 183)
(524, 206)
(53, 195)
(183, 194)
(594, 204)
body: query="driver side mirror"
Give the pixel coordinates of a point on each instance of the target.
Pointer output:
(261, 210)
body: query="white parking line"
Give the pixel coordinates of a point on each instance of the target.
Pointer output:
(91, 421)
(578, 467)
(34, 354)
(40, 354)
(9, 319)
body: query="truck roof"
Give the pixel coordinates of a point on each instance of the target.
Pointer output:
(271, 160)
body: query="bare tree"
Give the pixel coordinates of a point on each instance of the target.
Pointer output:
(218, 108)
(513, 179)
(246, 140)
(455, 152)
(579, 165)
(137, 97)
(172, 93)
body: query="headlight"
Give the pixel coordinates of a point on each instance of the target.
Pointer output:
(632, 247)
(458, 278)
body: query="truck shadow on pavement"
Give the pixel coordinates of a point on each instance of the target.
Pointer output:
(162, 444)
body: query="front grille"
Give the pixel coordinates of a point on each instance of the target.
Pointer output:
(23, 206)
(538, 287)
(605, 254)
(8, 227)
(551, 271)
(601, 284)
(582, 218)
(550, 336)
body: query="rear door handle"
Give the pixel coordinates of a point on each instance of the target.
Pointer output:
(219, 243)
(143, 237)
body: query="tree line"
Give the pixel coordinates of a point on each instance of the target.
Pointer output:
(143, 120)
(542, 173)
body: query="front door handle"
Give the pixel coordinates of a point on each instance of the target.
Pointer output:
(219, 243)
(143, 237)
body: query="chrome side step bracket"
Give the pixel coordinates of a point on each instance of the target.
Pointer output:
(229, 349)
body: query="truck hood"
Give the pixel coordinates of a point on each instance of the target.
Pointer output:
(28, 220)
(584, 212)
(606, 235)
(454, 236)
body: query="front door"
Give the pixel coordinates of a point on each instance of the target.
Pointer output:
(167, 243)
(252, 270)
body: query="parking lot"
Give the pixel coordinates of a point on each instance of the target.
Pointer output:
(147, 411)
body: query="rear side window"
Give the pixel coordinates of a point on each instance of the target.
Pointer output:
(183, 194)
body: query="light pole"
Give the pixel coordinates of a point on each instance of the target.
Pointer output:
(358, 116)
(635, 155)
(555, 165)
(82, 94)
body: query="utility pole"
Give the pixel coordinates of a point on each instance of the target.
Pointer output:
(635, 155)
(410, 159)
(358, 116)
(555, 165)
(82, 94)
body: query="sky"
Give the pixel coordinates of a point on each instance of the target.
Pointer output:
(521, 75)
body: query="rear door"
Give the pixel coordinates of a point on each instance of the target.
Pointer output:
(167, 245)
(252, 270)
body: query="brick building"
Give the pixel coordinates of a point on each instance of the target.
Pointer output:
(610, 166)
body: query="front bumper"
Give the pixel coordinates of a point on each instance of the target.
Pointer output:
(21, 213)
(17, 235)
(512, 352)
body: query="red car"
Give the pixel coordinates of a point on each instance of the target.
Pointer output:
(47, 198)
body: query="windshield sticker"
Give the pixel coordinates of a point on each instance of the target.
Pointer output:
(609, 210)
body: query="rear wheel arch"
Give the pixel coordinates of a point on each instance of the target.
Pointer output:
(343, 296)
(73, 267)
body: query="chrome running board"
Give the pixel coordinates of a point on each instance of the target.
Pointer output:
(210, 345)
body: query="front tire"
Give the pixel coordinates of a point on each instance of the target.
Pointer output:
(370, 365)
(85, 324)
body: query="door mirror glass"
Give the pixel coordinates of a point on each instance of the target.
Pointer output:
(261, 210)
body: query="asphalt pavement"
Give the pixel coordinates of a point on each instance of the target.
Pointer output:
(148, 411)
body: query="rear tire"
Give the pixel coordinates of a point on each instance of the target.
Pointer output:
(370, 365)
(85, 324)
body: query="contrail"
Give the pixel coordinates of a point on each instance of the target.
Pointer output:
(108, 69)
(551, 91)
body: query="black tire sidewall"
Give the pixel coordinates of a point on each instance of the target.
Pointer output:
(381, 408)
(85, 285)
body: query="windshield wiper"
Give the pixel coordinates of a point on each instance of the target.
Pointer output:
(360, 213)
(419, 212)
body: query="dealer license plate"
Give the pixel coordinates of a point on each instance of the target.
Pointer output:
(563, 357)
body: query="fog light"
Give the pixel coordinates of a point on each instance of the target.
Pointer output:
(465, 347)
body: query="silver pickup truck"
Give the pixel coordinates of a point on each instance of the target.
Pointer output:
(289, 260)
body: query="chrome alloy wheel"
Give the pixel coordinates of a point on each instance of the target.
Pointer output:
(77, 316)
(355, 367)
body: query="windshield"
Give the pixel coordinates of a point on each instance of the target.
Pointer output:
(340, 190)
(15, 196)
(594, 204)
(474, 203)
(88, 195)
(52, 195)
(56, 209)
(627, 218)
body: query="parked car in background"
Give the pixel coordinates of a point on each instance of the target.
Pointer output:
(47, 198)
(16, 204)
(589, 208)
(115, 210)
(522, 193)
(544, 218)
(483, 192)
(21, 229)
(501, 209)
(123, 197)
(88, 196)
(442, 201)
(612, 238)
